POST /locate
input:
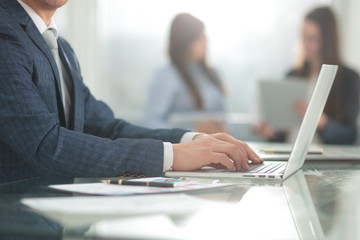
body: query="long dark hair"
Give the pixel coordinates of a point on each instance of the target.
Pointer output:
(185, 29)
(325, 19)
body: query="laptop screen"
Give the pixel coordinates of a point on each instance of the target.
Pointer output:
(312, 116)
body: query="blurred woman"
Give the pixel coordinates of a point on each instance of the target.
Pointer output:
(187, 86)
(320, 43)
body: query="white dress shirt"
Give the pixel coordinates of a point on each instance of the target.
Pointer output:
(42, 27)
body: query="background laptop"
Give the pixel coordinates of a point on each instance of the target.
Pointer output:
(277, 100)
(301, 145)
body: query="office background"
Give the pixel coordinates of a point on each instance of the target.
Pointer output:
(121, 43)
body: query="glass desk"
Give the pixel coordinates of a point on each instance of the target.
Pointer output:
(320, 202)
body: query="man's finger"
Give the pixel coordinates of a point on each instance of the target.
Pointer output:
(248, 152)
(233, 152)
(252, 156)
(223, 159)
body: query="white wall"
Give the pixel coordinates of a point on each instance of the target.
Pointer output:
(78, 24)
(121, 43)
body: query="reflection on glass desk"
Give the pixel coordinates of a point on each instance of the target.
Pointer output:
(312, 204)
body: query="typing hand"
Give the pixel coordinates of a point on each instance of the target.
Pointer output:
(218, 150)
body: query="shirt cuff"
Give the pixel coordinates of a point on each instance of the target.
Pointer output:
(169, 152)
(168, 156)
(188, 137)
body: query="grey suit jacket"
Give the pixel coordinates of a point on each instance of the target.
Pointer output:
(33, 139)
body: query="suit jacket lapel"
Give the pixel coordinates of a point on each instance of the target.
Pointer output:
(21, 16)
(39, 41)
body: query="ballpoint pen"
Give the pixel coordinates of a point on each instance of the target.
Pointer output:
(139, 183)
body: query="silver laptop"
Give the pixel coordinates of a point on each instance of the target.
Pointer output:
(301, 146)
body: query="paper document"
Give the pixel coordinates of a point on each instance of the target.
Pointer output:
(113, 189)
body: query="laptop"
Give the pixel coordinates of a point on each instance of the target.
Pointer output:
(282, 170)
(277, 100)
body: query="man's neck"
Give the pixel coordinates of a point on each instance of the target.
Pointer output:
(45, 14)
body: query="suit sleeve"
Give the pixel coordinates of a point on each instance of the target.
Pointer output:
(34, 134)
(100, 121)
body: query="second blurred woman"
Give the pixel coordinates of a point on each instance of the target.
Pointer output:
(337, 124)
(188, 85)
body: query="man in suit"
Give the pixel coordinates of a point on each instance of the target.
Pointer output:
(51, 125)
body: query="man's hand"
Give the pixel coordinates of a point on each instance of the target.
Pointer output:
(219, 150)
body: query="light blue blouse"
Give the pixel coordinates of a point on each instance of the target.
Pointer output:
(169, 95)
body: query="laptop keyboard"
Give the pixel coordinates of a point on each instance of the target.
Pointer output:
(265, 168)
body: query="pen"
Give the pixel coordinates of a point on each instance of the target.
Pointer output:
(269, 150)
(139, 183)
